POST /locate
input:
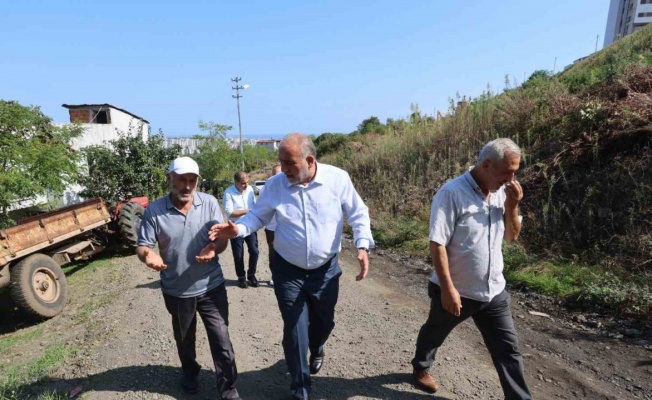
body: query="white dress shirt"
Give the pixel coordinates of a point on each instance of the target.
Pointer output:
(234, 200)
(310, 217)
(271, 225)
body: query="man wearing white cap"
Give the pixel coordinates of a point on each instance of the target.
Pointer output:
(191, 276)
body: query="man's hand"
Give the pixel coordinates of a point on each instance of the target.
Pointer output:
(451, 300)
(363, 259)
(154, 261)
(206, 254)
(223, 231)
(514, 193)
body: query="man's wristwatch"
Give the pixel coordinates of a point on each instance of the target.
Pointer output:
(363, 248)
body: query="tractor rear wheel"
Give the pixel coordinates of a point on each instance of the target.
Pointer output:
(129, 222)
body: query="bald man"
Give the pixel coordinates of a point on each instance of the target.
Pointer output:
(309, 201)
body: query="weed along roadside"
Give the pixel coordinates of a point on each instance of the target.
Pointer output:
(32, 350)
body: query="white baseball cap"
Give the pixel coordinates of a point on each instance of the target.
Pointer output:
(184, 165)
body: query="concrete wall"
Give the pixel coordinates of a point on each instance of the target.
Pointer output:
(101, 134)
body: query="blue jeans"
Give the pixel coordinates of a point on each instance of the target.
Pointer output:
(237, 248)
(307, 300)
(494, 321)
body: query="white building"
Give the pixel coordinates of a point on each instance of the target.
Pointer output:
(189, 146)
(626, 17)
(271, 144)
(104, 122)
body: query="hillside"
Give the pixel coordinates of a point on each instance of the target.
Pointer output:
(587, 174)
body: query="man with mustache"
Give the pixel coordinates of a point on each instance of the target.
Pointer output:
(309, 201)
(191, 276)
(470, 216)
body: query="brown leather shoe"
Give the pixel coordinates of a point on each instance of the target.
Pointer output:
(425, 382)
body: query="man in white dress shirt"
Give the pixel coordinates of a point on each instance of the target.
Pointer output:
(238, 200)
(309, 201)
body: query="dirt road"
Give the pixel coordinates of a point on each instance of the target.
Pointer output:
(125, 350)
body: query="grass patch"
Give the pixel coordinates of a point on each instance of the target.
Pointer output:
(583, 285)
(19, 337)
(86, 311)
(77, 270)
(19, 377)
(402, 234)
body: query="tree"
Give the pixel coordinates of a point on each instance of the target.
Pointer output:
(327, 143)
(130, 167)
(540, 75)
(217, 162)
(371, 125)
(37, 157)
(214, 156)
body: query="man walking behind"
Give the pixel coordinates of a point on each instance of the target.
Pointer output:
(470, 216)
(191, 276)
(271, 226)
(310, 201)
(239, 199)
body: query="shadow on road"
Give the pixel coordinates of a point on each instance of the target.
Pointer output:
(268, 383)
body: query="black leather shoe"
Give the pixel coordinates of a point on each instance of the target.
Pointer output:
(253, 282)
(316, 363)
(190, 384)
(242, 283)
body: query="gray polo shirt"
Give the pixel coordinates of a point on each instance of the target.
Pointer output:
(472, 230)
(180, 238)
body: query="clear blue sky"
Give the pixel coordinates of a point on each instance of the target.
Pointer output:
(313, 66)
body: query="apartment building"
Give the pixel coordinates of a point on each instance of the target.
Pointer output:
(626, 17)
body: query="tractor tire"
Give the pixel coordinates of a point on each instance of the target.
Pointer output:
(129, 223)
(39, 286)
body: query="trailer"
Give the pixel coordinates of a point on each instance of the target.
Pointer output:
(32, 252)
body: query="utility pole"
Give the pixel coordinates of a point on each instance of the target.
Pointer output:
(596, 43)
(237, 96)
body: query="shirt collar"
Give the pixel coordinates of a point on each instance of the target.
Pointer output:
(474, 185)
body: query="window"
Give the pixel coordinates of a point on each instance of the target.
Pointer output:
(101, 117)
(646, 14)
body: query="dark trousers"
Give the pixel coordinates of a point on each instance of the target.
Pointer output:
(237, 247)
(213, 308)
(307, 301)
(269, 236)
(494, 320)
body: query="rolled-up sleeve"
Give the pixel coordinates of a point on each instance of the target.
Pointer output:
(442, 217)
